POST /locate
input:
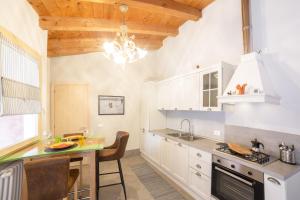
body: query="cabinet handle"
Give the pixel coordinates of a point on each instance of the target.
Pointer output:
(175, 108)
(190, 108)
(199, 155)
(198, 174)
(179, 144)
(208, 109)
(143, 130)
(273, 180)
(166, 139)
(198, 166)
(153, 134)
(162, 108)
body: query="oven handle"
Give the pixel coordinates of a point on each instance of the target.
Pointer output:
(234, 176)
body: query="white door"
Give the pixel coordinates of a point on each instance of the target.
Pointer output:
(156, 148)
(144, 118)
(191, 92)
(167, 155)
(181, 161)
(70, 112)
(274, 188)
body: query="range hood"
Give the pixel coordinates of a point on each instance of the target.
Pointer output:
(250, 71)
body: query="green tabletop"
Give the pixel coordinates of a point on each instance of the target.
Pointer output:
(38, 150)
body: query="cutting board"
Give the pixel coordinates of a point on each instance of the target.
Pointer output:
(239, 149)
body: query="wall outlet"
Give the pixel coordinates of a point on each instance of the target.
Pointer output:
(217, 133)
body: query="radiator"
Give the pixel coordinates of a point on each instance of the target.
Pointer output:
(11, 181)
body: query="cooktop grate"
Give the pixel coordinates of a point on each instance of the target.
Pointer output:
(257, 157)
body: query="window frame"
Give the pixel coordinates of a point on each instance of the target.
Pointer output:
(21, 145)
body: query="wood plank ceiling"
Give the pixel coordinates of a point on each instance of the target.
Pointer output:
(81, 26)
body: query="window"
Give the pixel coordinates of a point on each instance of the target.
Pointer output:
(17, 128)
(19, 93)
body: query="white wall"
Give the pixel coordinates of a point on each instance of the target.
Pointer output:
(276, 30)
(106, 78)
(18, 17)
(218, 36)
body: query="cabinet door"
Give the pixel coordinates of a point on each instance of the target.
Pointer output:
(191, 89)
(167, 154)
(181, 168)
(200, 183)
(274, 188)
(176, 94)
(211, 88)
(163, 96)
(155, 148)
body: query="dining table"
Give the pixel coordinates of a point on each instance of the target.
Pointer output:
(89, 148)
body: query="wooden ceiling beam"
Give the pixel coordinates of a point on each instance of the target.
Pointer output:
(73, 51)
(72, 43)
(166, 7)
(92, 24)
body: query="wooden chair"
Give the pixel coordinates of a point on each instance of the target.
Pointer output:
(114, 152)
(50, 179)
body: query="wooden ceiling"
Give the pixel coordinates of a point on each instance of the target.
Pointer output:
(81, 26)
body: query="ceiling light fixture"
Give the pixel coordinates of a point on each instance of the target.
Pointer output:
(123, 49)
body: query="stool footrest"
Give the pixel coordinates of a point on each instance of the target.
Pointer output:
(109, 173)
(101, 186)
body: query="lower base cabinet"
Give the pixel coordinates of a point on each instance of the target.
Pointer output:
(189, 167)
(200, 183)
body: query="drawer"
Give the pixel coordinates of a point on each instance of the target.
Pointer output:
(200, 166)
(200, 155)
(200, 183)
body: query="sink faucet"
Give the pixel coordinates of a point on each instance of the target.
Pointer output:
(190, 133)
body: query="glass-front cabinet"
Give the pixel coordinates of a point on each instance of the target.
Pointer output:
(211, 88)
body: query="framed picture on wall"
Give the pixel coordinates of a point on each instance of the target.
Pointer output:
(111, 105)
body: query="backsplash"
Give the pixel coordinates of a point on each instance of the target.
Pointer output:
(270, 139)
(202, 123)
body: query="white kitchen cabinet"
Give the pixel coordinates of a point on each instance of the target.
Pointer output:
(150, 117)
(167, 155)
(190, 98)
(213, 81)
(200, 183)
(277, 189)
(155, 147)
(195, 91)
(274, 188)
(181, 161)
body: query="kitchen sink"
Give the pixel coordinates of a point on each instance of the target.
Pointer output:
(190, 138)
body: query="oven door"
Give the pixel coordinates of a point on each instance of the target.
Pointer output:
(230, 185)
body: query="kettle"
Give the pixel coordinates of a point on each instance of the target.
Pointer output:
(287, 154)
(256, 145)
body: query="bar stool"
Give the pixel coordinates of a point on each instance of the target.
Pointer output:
(114, 152)
(50, 179)
(76, 159)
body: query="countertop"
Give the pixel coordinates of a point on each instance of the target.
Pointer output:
(277, 169)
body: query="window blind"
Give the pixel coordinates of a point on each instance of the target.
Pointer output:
(19, 72)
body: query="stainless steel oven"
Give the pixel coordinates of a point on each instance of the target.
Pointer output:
(233, 181)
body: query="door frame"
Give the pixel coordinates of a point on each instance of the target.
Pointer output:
(53, 85)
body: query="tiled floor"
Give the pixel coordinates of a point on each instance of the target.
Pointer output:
(142, 182)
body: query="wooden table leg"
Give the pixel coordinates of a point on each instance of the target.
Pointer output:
(92, 166)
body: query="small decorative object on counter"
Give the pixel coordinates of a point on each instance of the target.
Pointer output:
(287, 154)
(241, 89)
(256, 145)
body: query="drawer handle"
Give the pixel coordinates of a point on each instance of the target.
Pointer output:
(198, 174)
(198, 166)
(199, 155)
(273, 180)
(179, 144)
(190, 108)
(153, 134)
(166, 139)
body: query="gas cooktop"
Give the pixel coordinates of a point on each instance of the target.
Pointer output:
(256, 157)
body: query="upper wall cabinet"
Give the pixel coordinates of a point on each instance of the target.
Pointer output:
(195, 91)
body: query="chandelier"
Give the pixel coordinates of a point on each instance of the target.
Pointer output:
(123, 49)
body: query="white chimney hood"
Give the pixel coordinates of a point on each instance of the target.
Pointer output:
(252, 72)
